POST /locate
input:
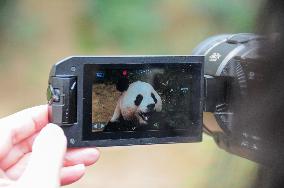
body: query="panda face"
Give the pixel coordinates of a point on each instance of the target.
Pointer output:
(139, 102)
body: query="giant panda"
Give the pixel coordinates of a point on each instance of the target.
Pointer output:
(137, 103)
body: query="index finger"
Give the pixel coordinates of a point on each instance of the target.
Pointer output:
(20, 126)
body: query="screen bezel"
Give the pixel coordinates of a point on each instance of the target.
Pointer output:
(192, 132)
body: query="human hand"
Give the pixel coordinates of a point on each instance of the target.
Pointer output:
(33, 153)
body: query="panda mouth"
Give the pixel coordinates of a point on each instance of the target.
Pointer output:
(145, 115)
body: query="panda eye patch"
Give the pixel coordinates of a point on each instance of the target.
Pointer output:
(138, 100)
(153, 96)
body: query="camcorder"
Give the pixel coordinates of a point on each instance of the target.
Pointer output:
(139, 100)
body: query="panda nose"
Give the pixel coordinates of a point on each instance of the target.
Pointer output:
(151, 107)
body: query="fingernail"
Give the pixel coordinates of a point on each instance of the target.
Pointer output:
(79, 167)
(55, 128)
(94, 152)
(94, 155)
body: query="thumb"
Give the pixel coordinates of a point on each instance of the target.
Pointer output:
(43, 169)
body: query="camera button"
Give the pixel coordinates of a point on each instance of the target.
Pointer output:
(53, 95)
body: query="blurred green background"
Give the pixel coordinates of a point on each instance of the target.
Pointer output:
(36, 34)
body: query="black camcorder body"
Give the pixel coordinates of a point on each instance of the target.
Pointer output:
(138, 100)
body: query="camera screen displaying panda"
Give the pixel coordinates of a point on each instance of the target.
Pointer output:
(145, 101)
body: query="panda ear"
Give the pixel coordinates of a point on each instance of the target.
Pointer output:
(122, 84)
